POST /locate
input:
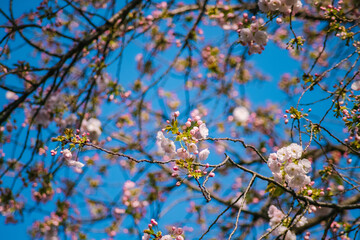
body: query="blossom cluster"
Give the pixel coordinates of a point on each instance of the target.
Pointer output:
(131, 199)
(287, 166)
(188, 136)
(241, 114)
(9, 206)
(68, 157)
(251, 34)
(73, 140)
(278, 218)
(44, 114)
(48, 229)
(283, 6)
(355, 85)
(92, 126)
(152, 234)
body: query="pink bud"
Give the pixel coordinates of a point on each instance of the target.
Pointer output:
(153, 222)
(313, 208)
(212, 174)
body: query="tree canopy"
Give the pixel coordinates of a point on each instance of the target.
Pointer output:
(198, 119)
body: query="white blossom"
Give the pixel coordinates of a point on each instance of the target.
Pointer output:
(42, 116)
(67, 154)
(261, 37)
(275, 215)
(192, 148)
(290, 235)
(285, 8)
(166, 237)
(160, 136)
(74, 163)
(305, 164)
(102, 82)
(146, 237)
(300, 221)
(204, 154)
(297, 7)
(182, 153)
(203, 130)
(299, 181)
(254, 27)
(129, 185)
(273, 156)
(274, 165)
(279, 230)
(293, 169)
(55, 102)
(254, 48)
(263, 6)
(77, 166)
(295, 150)
(282, 155)
(93, 126)
(274, 5)
(11, 95)
(278, 176)
(356, 86)
(241, 114)
(167, 145)
(287, 167)
(246, 35)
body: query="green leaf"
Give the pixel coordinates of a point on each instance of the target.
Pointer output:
(274, 190)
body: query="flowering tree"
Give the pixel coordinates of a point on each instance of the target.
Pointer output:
(201, 119)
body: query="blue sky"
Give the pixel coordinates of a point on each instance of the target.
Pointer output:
(272, 61)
